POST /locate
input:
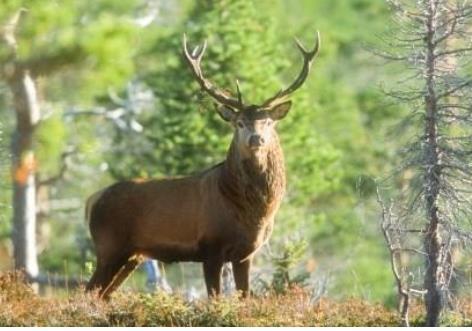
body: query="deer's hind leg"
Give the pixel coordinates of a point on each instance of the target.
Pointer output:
(104, 275)
(132, 263)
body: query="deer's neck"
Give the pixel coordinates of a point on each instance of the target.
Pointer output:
(254, 185)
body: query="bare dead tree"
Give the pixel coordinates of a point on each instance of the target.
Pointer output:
(432, 40)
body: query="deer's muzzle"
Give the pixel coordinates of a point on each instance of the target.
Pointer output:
(256, 141)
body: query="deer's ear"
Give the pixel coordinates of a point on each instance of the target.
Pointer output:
(226, 113)
(279, 111)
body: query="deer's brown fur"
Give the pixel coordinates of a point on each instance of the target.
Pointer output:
(223, 214)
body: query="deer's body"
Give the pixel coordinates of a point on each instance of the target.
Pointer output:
(206, 216)
(223, 214)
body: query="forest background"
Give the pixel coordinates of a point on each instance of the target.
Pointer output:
(122, 104)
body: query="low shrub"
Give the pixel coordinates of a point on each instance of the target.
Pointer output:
(21, 306)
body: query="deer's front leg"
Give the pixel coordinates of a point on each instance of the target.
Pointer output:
(212, 272)
(241, 276)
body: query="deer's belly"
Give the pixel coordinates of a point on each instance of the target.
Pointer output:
(172, 252)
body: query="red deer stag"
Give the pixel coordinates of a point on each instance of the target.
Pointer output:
(223, 214)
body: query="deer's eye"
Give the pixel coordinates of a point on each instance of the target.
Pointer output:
(240, 124)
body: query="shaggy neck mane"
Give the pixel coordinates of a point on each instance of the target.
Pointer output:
(254, 185)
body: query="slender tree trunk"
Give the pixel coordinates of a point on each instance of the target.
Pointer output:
(432, 240)
(26, 108)
(20, 78)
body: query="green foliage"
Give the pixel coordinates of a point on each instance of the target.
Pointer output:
(99, 41)
(368, 273)
(50, 142)
(81, 52)
(283, 278)
(59, 259)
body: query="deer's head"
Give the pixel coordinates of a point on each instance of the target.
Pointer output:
(254, 124)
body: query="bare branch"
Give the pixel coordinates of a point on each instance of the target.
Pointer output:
(453, 52)
(452, 28)
(411, 250)
(8, 30)
(455, 89)
(62, 171)
(404, 293)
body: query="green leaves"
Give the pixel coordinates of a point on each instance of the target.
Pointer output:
(50, 142)
(85, 36)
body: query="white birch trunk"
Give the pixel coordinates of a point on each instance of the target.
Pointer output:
(23, 171)
(26, 108)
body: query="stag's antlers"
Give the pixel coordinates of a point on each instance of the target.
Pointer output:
(308, 57)
(222, 97)
(225, 98)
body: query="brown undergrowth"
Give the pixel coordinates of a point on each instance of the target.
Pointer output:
(20, 306)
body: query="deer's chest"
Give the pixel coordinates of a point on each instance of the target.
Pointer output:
(248, 243)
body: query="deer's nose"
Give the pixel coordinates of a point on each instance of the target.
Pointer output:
(256, 141)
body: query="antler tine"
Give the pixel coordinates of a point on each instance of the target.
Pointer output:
(308, 57)
(194, 59)
(198, 52)
(238, 88)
